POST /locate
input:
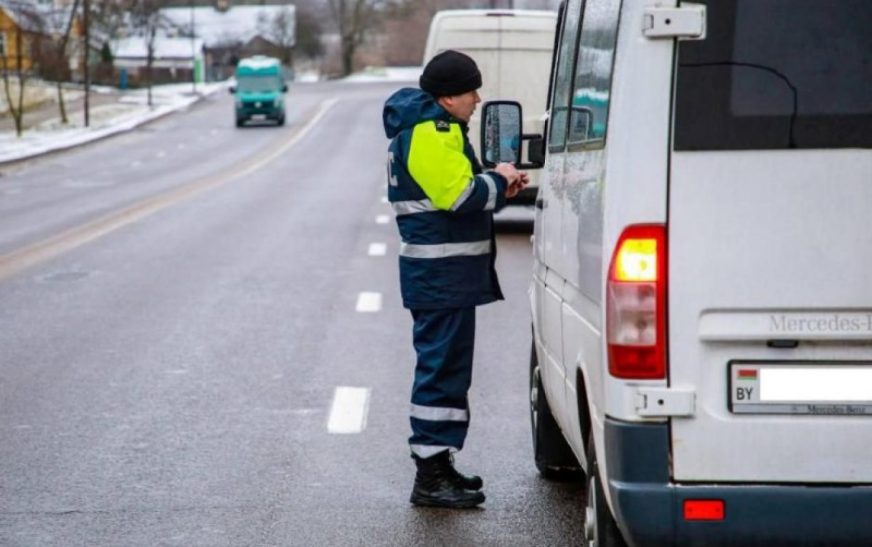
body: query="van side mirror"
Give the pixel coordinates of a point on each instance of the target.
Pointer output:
(501, 136)
(232, 90)
(501, 133)
(284, 88)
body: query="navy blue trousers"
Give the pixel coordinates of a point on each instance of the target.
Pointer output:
(444, 341)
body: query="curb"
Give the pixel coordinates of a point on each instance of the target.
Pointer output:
(106, 132)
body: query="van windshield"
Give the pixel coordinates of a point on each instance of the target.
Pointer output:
(777, 74)
(258, 84)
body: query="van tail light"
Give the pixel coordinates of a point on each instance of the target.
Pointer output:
(636, 304)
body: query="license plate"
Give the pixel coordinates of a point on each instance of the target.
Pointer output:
(836, 389)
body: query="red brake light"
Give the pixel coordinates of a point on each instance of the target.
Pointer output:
(636, 304)
(703, 510)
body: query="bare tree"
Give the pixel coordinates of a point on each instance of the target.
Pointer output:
(60, 60)
(354, 20)
(280, 30)
(146, 17)
(27, 29)
(309, 33)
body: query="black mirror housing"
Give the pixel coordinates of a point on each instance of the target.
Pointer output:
(232, 90)
(536, 151)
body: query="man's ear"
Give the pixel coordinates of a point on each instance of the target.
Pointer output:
(445, 102)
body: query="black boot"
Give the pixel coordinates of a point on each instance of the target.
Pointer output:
(469, 482)
(436, 485)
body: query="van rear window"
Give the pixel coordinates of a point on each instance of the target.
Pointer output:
(774, 74)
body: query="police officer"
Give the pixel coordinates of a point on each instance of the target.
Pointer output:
(444, 205)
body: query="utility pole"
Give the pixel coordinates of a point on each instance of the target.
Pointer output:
(87, 68)
(193, 51)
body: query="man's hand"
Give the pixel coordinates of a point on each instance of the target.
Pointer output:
(508, 171)
(515, 187)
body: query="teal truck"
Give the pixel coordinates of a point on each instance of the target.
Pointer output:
(260, 90)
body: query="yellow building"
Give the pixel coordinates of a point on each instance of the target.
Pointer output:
(29, 32)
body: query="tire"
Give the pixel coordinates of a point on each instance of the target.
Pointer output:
(600, 528)
(554, 459)
(240, 122)
(281, 121)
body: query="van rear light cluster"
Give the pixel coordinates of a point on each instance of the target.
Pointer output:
(636, 304)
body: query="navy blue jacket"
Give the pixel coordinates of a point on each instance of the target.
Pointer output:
(444, 206)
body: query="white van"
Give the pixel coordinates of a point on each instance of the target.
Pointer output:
(701, 293)
(512, 48)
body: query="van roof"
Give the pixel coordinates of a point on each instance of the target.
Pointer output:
(470, 30)
(494, 13)
(258, 62)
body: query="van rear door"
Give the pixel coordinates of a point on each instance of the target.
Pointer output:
(770, 246)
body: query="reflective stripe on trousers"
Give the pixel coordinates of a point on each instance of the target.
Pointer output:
(444, 342)
(444, 250)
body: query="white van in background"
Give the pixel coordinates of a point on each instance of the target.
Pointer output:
(513, 50)
(701, 294)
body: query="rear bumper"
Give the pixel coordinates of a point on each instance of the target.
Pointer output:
(649, 507)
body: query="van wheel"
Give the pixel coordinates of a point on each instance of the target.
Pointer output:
(554, 459)
(240, 122)
(281, 120)
(600, 528)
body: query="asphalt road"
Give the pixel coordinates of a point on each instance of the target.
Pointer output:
(177, 308)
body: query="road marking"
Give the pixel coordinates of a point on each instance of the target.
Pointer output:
(136, 163)
(369, 302)
(25, 257)
(161, 154)
(349, 409)
(384, 199)
(382, 219)
(378, 249)
(181, 146)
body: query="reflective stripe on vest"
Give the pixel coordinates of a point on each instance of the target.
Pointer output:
(443, 250)
(412, 207)
(439, 413)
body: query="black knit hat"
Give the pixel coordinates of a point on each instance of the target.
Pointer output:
(450, 73)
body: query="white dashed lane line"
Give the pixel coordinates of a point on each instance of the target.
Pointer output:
(349, 409)
(369, 302)
(382, 219)
(378, 249)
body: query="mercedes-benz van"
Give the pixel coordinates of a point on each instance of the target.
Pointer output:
(512, 49)
(260, 89)
(701, 295)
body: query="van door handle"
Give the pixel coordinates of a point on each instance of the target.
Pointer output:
(540, 203)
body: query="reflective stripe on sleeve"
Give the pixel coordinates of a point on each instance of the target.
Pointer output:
(443, 250)
(412, 207)
(427, 450)
(491, 192)
(439, 413)
(464, 195)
